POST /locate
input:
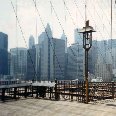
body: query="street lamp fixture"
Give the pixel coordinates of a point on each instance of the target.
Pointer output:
(87, 43)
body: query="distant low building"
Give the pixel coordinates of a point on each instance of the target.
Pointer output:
(104, 71)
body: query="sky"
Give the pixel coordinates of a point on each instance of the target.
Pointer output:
(70, 16)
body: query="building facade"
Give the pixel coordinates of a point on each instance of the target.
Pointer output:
(31, 42)
(31, 60)
(78, 37)
(59, 59)
(75, 62)
(18, 67)
(3, 54)
(46, 43)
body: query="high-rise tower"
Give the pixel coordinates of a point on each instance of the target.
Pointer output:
(3, 53)
(31, 42)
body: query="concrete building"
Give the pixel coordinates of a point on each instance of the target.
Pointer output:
(111, 43)
(3, 54)
(104, 71)
(42, 37)
(75, 62)
(47, 72)
(31, 42)
(92, 57)
(105, 60)
(31, 62)
(38, 61)
(63, 37)
(9, 63)
(18, 67)
(59, 59)
(102, 49)
(78, 37)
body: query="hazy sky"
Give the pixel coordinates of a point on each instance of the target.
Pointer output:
(70, 16)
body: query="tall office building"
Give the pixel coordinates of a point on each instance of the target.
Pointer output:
(41, 37)
(103, 67)
(3, 54)
(31, 60)
(47, 55)
(111, 53)
(92, 57)
(63, 37)
(9, 62)
(59, 59)
(18, 67)
(75, 62)
(104, 71)
(78, 37)
(38, 61)
(31, 42)
(111, 43)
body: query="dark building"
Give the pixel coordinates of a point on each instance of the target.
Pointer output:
(3, 54)
(92, 57)
(9, 62)
(59, 59)
(75, 62)
(31, 60)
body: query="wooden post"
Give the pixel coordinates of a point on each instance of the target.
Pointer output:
(71, 91)
(56, 92)
(15, 92)
(25, 91)
(3, 94)
(37, 91)
(50, 88)
(113, 90)
(32, 90)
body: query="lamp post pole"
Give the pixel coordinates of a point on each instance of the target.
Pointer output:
(87, 43)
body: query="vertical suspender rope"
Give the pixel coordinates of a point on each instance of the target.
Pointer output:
(17, 45)
(36, 65)
(111, 32)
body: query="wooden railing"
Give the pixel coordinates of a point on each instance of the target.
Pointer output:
(63, 90)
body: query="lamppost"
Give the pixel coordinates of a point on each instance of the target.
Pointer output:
(87, 43)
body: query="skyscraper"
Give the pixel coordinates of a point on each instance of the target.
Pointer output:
(3, 53)
(59, 59)
(75, 62)
(47, 55)
(18, 66)
(63, 37)
(31, 42)
(38, 61)
(92, 57)
(31, 60)
(78, 37)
